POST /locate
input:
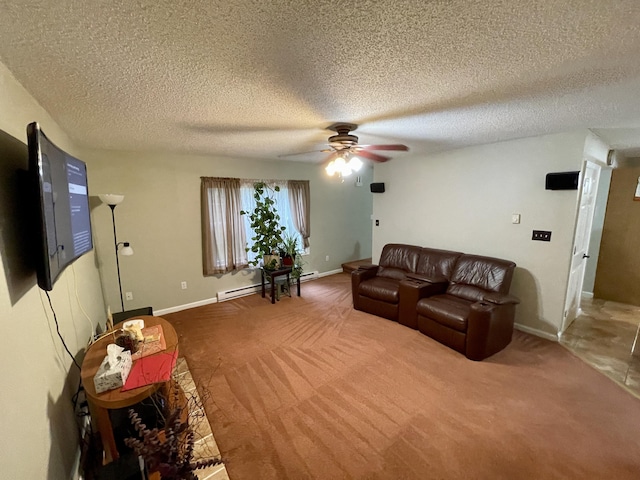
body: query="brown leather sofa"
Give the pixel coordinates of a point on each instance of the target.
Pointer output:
(460, 300)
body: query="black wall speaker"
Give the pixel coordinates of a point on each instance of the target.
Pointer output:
(377, 188)
(562, 181)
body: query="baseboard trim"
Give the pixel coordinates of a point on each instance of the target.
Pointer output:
(536, 332)
(330, 272)
(587, 294)
(186, 306)
(209, 301)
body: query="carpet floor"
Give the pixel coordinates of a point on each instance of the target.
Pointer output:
(310, 388)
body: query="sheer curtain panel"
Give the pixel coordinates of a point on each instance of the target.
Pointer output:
(299, 201)
(223, 232)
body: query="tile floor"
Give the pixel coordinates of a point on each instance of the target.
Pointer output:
(205, 445)
(605, 335)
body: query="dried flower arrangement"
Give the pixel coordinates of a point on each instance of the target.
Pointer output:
(170, 450)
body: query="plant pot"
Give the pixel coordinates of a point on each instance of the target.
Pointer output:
(287, 261)
(267, 260)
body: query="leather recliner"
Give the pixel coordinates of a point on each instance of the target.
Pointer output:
(460, 300)
(475, 314)
(376, 289)
(404, 274)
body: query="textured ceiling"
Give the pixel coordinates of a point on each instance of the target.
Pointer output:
(256, 78)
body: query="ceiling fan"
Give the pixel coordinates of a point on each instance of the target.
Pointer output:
(345, 142)
(344, 150)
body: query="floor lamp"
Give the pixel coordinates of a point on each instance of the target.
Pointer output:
(113, 200)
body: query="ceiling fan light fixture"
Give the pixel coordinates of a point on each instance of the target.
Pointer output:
(355, 164)
(330, 169)
(342, 167)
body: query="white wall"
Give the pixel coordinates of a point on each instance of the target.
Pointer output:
(39, 436)
(160, 217)
(463, 200)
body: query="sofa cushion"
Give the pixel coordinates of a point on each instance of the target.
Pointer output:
(390, 272)
(468, 292)
(436, 263)
(397, 259)
(474, 275)
(380, 288)
(447, 310)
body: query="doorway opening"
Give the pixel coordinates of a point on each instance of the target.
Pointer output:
(607, 317)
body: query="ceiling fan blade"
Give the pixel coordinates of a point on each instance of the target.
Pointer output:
(324, 150)
(371, 156)
(397, 147)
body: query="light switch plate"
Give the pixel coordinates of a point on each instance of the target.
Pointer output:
(515, 218)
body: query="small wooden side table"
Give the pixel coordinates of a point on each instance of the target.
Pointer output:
(271, 275)
(101, 403)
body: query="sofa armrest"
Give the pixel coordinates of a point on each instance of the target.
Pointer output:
(500, 299)
(410, 292)
(490, 326)
(424, 278)
(423, 289)
(364, 272)
(358, 276)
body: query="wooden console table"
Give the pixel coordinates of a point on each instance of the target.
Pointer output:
(271, 275)
(101, 403)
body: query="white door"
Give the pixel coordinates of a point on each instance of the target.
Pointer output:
(580, 257)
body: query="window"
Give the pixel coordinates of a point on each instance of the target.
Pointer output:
(226, 233)
(283, 206)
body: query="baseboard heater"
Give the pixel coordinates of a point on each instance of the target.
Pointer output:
(251, 289)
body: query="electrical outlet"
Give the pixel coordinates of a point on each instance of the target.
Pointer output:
(377, 223)
(515, 218)
(326, 259)
(541, 235)
(183, 285)
(128, 295)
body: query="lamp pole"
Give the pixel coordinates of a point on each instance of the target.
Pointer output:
(115, 243)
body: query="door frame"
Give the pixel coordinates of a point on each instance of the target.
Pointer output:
(600, 164)
(585, 189)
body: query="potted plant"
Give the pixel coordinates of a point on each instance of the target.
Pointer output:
(296, 269)
(265, 223)
(289, 249)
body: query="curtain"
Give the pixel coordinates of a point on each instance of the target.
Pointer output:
(300, 200)
(223, 234)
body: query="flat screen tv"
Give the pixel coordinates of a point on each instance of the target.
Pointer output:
(63, 224)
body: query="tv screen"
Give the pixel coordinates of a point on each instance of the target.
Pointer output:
(63, 227)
